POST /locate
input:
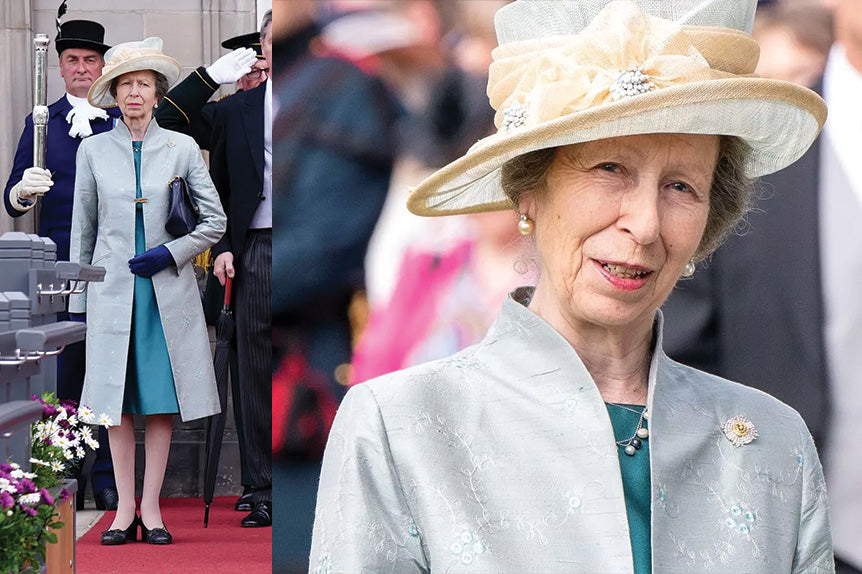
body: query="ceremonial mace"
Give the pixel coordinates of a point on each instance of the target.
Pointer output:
(40, 93)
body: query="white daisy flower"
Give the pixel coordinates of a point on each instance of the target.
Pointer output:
(57, 466)
(105, 420)
(17, 473)
(67, 453)
(80, 452)
(6, 486)
(39, 462)
(31, 499)
(86, 414)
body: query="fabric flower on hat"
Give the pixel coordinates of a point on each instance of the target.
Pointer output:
(561, 75)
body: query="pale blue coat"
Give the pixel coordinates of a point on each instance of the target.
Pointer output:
(501, 459)
(103, 234)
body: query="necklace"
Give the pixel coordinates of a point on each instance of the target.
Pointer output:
(632, 444)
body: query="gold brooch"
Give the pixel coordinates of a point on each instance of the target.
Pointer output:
(739, 430)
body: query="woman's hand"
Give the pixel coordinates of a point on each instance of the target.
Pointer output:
(223, 266)
(150, 261)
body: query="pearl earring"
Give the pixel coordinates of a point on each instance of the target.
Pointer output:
(525, 225)
(689, 269)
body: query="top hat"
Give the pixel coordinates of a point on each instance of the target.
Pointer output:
(81, 34)
(573, 71)
(251, 40)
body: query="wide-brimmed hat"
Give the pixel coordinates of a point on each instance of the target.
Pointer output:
(81, 34)
(131, 57)
(572, 71)
(250, 40)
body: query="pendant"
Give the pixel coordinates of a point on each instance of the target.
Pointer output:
(630, 450)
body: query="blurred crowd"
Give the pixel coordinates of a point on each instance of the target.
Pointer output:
(372, 96)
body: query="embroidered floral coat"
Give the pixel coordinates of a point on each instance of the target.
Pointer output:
(502, 459)
(103, 234)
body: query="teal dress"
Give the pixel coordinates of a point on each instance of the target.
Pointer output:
(636, 483)
(150, 386)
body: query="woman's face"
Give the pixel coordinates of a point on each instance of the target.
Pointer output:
(617, 223)
(136, 94)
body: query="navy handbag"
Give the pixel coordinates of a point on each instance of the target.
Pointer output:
(183, 211)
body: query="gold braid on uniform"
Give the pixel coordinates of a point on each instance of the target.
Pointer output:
(204, 260)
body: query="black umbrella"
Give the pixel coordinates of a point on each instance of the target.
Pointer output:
(215, 424)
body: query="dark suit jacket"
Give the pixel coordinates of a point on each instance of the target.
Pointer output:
(232, 130)
(55, 211)
(754, 314)
(236, 163)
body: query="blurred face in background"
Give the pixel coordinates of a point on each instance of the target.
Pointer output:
(788, 59)
(291, 16)
(848, 21)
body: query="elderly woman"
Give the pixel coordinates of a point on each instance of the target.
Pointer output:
(567, 441)
(148, 350)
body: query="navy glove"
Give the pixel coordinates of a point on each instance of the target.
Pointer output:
(78, 317)
(150, 261)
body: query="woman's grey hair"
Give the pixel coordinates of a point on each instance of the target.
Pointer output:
(162, 85)
(729, 197)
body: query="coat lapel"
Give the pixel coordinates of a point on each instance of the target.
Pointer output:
(252, 112)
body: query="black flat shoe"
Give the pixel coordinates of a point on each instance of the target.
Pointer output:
(260, 516)
(244, 503)
(107, 499)
(156, 535)
(116, 536)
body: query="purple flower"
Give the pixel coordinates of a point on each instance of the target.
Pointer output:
(64, 495)
(26, 486)
(46, 497)
(6, 500)
(29, 510)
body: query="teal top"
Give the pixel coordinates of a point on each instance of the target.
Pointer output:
(150, 385)
(636, 483)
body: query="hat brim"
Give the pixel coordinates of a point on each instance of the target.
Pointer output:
(100, 95)
(778, 119)
(67, 43)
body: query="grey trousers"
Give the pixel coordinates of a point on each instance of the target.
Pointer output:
(253, 312)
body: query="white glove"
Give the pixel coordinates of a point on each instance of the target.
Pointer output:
(35, 181)
(232, 66)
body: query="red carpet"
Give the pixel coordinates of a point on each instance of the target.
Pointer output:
(223, 548)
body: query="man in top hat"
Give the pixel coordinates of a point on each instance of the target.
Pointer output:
(259, 70)
(183, 110)
(235, 130)
(80, 45)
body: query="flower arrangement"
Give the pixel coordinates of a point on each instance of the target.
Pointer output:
(26, 514)
(61, 438)
(28, 511)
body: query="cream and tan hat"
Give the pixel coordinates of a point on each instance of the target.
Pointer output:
(571, 71)
(131, 57)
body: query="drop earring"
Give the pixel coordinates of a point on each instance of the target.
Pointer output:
(525, 225)
(689, 269)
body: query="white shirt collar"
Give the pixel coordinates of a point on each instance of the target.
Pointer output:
(75, 100)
